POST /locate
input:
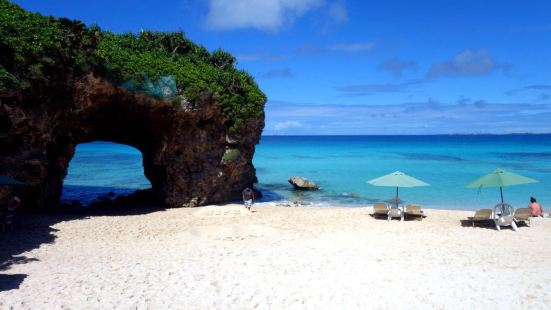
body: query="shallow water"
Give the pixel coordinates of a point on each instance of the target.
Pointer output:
(102, 167)
(341, 165)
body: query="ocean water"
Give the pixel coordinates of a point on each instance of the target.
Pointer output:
(99, 168)
(342, 165)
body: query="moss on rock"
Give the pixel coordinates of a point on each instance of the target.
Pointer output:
(230, 155)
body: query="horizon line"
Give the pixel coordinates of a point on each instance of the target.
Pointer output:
(391, 135)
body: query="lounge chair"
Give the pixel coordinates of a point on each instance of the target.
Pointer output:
(395, 212)
(482, 216)
(523, 215)
(414, 211)
(504, 216)
(380, 209)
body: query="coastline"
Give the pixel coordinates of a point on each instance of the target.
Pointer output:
(272, 257)
(324, 205)
(341, 165)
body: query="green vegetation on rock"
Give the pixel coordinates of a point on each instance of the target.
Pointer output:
(230, 155)
(42, 55)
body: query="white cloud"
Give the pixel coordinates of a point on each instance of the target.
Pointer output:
(529, 88)
(370, 89)
(424, 117)
(277, 73)
(466, 63)
(266, 57)
(396, 66)
(268, 15)
(354, 47)
(334, 13)
(287, 125)
(338, 12)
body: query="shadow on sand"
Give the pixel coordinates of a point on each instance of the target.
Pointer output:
(489, 224)
(30, 230)
(11, 281)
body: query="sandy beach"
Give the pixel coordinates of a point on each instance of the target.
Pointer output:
(271, 258)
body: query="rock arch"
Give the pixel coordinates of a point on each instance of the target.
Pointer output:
(189, 154)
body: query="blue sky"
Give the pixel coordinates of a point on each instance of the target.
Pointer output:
(366, 67)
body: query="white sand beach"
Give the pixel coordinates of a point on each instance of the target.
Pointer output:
(273, 258)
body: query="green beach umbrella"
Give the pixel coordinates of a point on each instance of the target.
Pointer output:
(397, 179)
(500, 178)
(5, 180)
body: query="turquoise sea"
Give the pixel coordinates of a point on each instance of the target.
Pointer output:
(341, 165)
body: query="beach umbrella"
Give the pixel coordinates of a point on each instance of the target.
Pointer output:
(5, 180)
(397, 179)
(500, 178)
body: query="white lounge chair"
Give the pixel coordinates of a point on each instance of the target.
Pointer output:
(503, 216)
(395, 212)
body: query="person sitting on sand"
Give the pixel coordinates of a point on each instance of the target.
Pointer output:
(536, 208)
(248, 198)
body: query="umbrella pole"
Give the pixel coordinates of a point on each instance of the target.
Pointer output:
(502, 201)
(397, 205)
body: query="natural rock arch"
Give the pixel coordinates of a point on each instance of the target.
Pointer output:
(192, 113)
(189, 154)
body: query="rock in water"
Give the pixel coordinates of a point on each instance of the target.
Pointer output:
(302, 183)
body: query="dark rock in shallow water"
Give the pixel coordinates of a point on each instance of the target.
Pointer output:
(302, 183)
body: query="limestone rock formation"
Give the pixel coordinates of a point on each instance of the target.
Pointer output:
(197, 144)
(302, 183)
(183, 149)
